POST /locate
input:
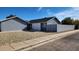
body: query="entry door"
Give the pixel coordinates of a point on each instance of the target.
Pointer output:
(43, 26)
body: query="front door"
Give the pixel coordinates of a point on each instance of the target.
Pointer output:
(43, 26)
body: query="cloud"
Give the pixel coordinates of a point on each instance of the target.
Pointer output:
(46, 10)
(75, 8)
(40, 8)
(49, 13)
(73, 12)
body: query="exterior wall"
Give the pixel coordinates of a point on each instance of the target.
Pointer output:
(51, 27)
(12, 25)
(61, 28)
(51, 21)
(36, 26)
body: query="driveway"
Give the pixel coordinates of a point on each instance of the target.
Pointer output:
(69, 43)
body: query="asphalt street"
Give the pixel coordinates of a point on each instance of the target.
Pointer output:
(69, 43)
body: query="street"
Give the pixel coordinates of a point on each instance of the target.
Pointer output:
(69, 43)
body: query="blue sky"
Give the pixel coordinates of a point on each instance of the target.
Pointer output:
(29, 13)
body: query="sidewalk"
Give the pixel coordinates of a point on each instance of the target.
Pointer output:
(29, 44)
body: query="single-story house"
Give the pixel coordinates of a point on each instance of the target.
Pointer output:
(13, 23)
(49, 24)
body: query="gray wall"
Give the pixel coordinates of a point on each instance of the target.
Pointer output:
(36, 26)
(51, 27)
(61, 28)
(12, 25)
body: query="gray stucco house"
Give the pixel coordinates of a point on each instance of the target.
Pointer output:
(13, 23)
(49, 24)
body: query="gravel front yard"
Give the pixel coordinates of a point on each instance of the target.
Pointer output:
(14, 37)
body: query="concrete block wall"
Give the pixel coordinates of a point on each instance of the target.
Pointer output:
(61, 28)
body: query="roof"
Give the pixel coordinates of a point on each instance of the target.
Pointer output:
(11, 17)
(44, 20)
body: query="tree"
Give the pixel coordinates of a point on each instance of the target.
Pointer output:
(67, 21)
(76, 22)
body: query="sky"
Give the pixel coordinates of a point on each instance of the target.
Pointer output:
(29, 13)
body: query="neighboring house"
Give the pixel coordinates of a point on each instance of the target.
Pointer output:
(13, 23)
(42, 24)
(49, 24)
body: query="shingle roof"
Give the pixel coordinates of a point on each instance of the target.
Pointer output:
(44, 20)
(10, 16)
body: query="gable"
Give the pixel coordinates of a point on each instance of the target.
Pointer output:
(12, 25)
(52, 21)
(17, 20)
(12, 22)
(46, 19)
(41, 20)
